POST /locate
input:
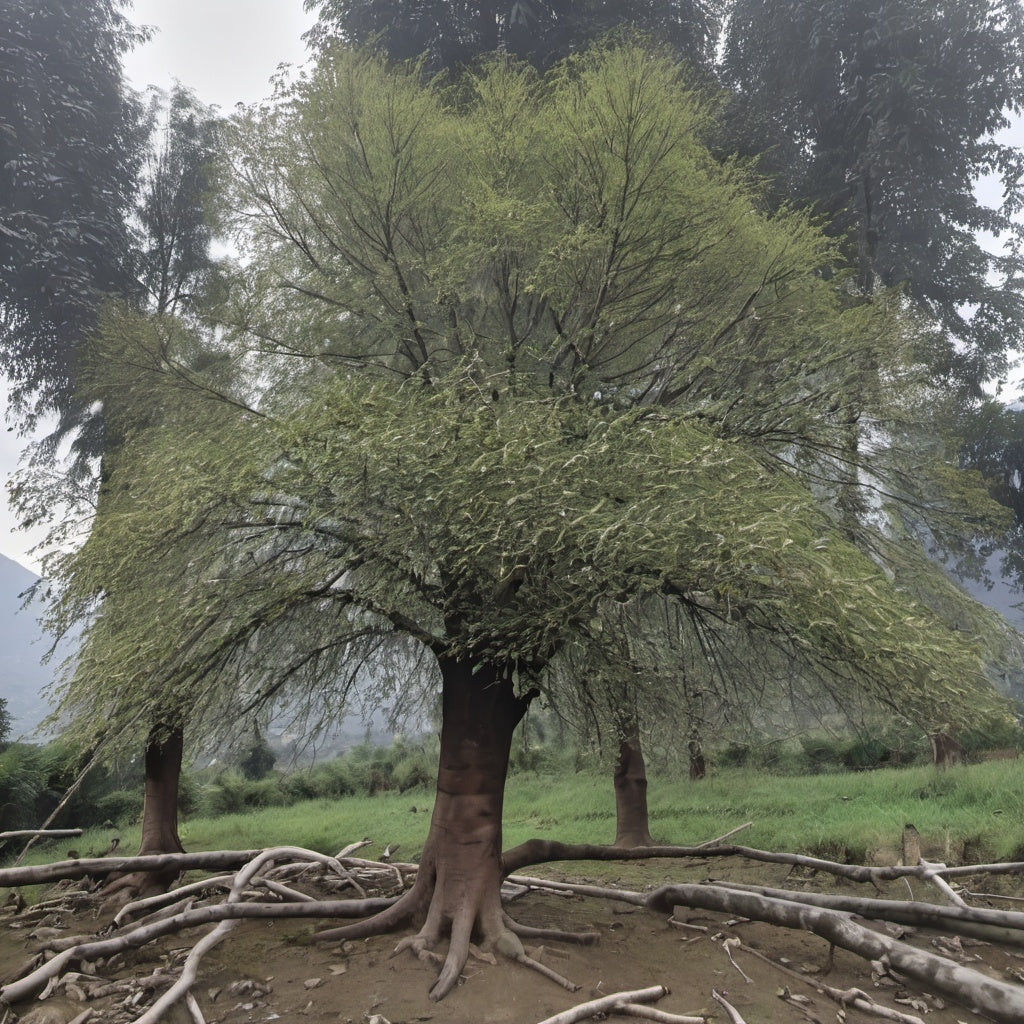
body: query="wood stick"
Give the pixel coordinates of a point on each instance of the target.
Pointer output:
(41, 833)
(845, 997)
(726, 835)
(731, 1010)
(650, 1013)
(606, 1004)
(932, 875)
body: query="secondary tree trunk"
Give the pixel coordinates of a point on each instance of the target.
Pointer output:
(159, 811)
(457, 888)
(631, 819)
(946, 749)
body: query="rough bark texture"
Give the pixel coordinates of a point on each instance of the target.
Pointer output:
(457, 889)
(631, 820)
(159, 812)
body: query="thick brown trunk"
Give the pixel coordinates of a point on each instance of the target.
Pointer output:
(163, 774)
(631, 819)
(457, 888)
(159, 811)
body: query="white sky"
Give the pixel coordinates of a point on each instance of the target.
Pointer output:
(227, 51)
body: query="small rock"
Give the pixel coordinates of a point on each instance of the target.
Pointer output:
(213, 993)
(313, 982)
(338, 969)
(378, 1019)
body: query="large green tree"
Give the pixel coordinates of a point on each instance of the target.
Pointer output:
(522, 359)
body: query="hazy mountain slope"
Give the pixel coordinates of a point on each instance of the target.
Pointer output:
(22, 677)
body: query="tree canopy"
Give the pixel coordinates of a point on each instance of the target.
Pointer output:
(71, 142)
(495, 404)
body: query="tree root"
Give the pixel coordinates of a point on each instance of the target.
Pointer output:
(730, 1010)
(525, 931)
(844, 997)
(544, 851)
(100, 866)
(615, 1003)
(999, 1000)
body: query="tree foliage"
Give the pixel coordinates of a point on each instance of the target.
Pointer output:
(71, 141)
(174, 267)
(894, 109)
(452, 35)
(505, 389)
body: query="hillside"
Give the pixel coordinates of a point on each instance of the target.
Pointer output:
(22, 677)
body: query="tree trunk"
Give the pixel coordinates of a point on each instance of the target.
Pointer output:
(631, 821)
(457, 888)
(159, 812)
(698, 766)
(946, 749)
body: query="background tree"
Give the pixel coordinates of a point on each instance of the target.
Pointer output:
(453, 35)
(893, 108)
(506, 387)
(174, 264)
(71, 142)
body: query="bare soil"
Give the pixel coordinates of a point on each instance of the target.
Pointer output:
(273, 971)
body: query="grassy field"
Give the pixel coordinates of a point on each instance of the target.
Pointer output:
(848, 815)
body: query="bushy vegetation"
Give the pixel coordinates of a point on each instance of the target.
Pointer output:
(33, 778)
(975, 810)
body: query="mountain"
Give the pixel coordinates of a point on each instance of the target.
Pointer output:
(23, 677)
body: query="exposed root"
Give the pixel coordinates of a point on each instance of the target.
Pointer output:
(535, 965)
(525, 931)
(731, 1011)
(395, 916)
(607, 1005)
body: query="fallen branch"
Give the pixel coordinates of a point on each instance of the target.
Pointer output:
(609, 1004)
(730, 1010)
(190, 971)
(727, 835)
(1005, 926)
(659, 1016)
(139, 936)
(41, 833)
(45, 873)
(844, 997)
(933, 875)
(998, 999)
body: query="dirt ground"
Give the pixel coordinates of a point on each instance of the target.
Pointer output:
(272, 971)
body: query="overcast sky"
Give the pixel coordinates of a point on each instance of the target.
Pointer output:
(227, 51)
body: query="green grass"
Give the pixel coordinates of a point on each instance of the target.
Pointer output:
(982, 805)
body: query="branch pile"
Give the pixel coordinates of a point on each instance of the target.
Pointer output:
(273, 883)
